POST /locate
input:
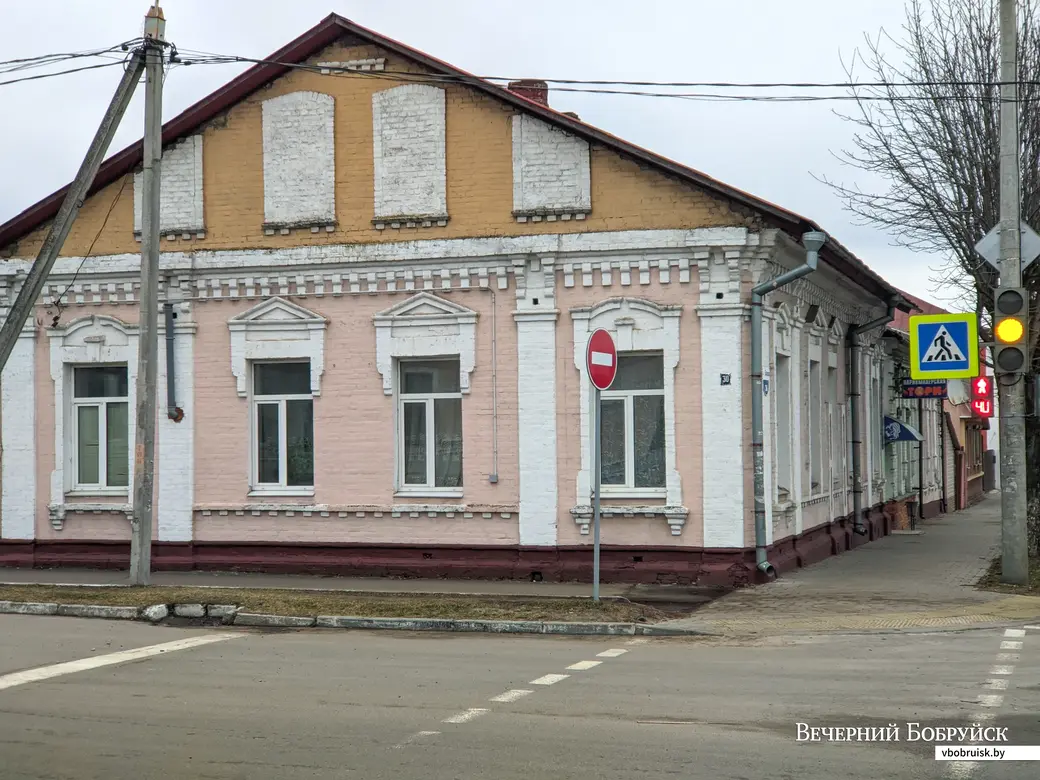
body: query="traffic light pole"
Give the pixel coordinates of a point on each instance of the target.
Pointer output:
(1013, 504)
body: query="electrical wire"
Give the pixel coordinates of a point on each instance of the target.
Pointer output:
(63, 72)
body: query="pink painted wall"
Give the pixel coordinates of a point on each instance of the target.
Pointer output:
(354, 429)
(632, 530)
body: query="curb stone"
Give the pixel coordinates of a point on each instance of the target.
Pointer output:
(229, 614)
(189, 610)
(27, 608)
(96, 611)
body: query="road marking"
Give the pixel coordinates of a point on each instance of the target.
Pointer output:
(1033, 628)
(1002, 670)
(466, 717)
(996, 684)
(414, 737)
(983, 717)
(638, 641)
(1011, 645)
(549, 679)
(511, 696)
(611, 653)
(1008, 656)
(122, 657)
(961, 770)
(1015, 632)
(582, 666)
(990, 700)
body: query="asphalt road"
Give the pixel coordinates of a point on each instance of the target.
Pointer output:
(413, 706)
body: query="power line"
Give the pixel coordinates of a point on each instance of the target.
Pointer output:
(120, 61)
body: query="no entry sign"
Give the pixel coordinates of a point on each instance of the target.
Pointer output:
(601, 359)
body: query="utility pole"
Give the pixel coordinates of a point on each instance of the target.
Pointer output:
(148, 326)
(1013, 505)
(41, 267)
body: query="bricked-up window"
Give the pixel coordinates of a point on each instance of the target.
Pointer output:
(783, 426)
(283, 426)
(834, 425)
(815, 425)
(430, 424)
(101, 427)
(632, 433)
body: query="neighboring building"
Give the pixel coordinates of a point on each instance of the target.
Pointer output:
(382, 274)
(954, 452)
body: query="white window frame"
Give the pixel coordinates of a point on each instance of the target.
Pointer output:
(628, 397)
(101, 487)
(428, 399)
(280, 488)
(88, 341)
(637, 325)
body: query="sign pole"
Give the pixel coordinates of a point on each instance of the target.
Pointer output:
(596, 478)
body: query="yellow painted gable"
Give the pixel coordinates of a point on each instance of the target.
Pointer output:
(624, 194)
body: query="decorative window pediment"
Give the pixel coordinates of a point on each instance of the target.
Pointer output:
(425, 325)
(277, 329)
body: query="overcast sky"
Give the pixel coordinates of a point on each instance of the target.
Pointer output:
(770, 150)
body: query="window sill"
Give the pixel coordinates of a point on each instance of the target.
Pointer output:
(260, 492)
(95, 492)
(607, 491)
(428, 492)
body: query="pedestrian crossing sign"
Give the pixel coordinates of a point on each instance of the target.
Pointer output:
(944, 346)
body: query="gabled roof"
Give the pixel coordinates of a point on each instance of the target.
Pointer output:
(335, 27)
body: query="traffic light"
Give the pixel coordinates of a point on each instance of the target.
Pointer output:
(982, 396)
(1011, 331)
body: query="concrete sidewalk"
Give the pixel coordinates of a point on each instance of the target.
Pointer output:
(899, 582)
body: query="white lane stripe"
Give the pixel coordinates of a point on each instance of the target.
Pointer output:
(997, 684)
(1002, 670)
(1033, 628)
(1008, 656)
(511, 696)
(549, 679)
(613, 653)
(582, 666)
(1015, 632)
(983, 717)
(602, 359)
(1011, 645)
(961, 770)
(465, 717)
(122, 657)
(638, 641)
(990, 700)
(411, 739)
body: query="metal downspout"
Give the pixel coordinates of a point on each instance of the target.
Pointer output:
(855, 423)
(172, 410)
(813, 243)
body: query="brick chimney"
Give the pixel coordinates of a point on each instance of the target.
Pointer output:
(532, 89)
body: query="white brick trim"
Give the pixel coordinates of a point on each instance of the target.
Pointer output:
(277, 329)
(176, 440)
(722, 425)
(372, 63)
(94, 339)
(18, 416)
(180, 190)
(425, 325)
(408, 148)
(637, 325)
(551, 171)
(299, 161)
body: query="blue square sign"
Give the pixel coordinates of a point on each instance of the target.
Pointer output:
(944, 346)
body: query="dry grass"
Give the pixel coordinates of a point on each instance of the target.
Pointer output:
(991, 580)
(309, 603)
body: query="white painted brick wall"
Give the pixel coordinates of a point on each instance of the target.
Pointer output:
(723, 429)
(18, 402)
(176, 440)
(299, 159)
(536, 404)
(408, 147)
(180, 196)
(550, 168)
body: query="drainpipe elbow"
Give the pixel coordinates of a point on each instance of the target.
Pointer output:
(767, 569)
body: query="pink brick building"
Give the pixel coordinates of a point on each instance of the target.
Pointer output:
(380, 295)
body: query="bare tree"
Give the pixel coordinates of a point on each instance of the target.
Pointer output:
(927, 127)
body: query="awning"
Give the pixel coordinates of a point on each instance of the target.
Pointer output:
(900, 431)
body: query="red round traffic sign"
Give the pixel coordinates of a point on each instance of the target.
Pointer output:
(601, 359)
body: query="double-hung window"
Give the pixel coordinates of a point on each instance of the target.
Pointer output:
(632, 449)
(283, 427)
(101, 427)
(430, 425)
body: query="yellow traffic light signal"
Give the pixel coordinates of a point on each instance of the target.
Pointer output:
(1010, 317)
